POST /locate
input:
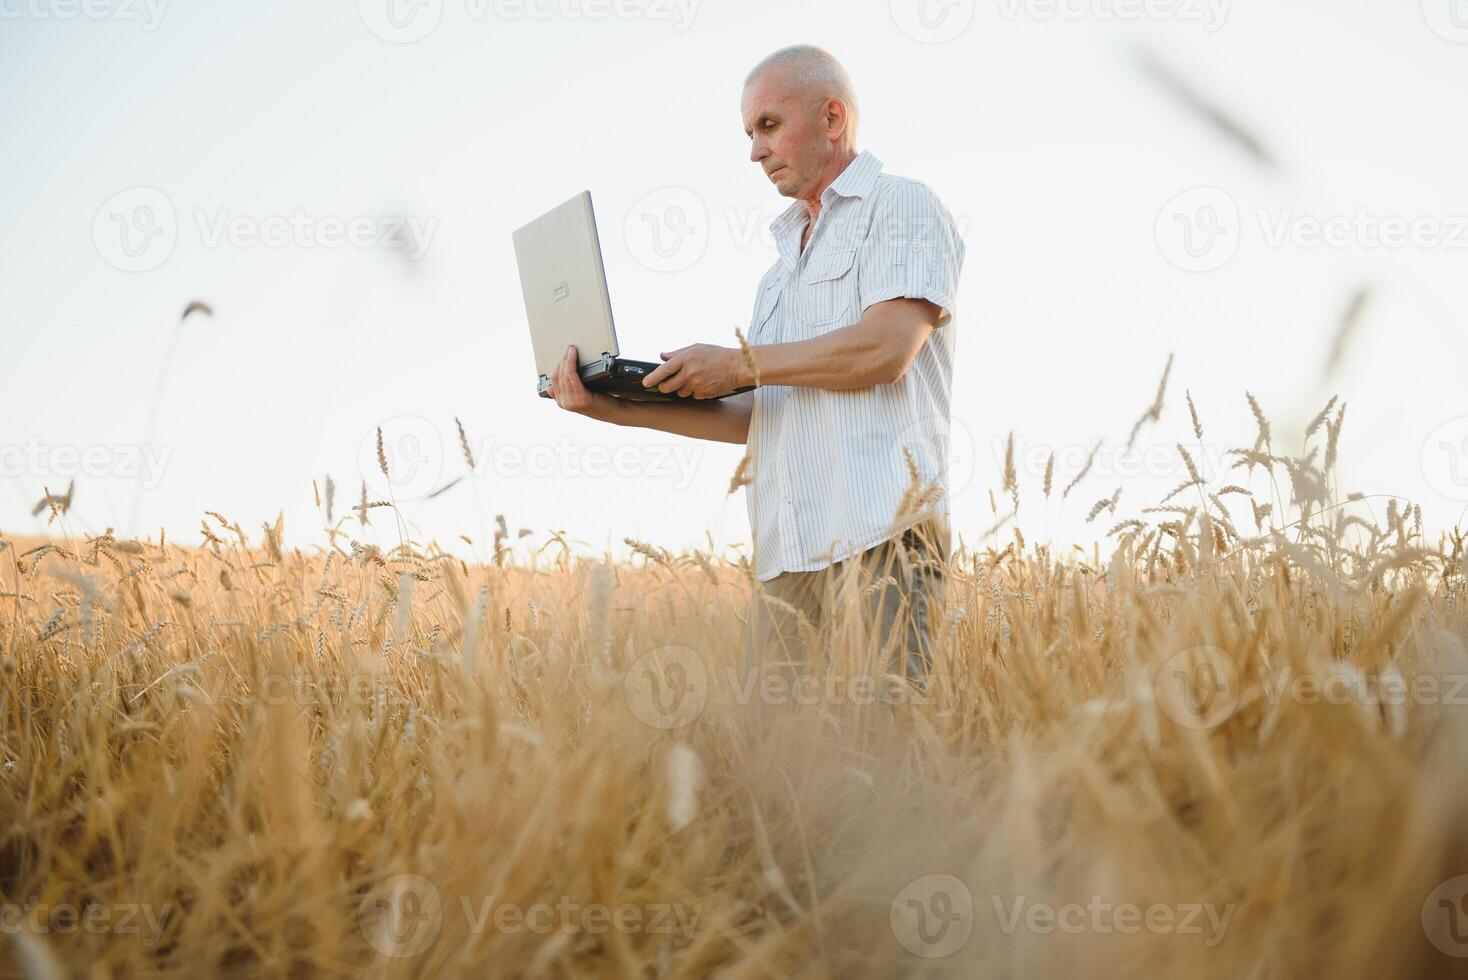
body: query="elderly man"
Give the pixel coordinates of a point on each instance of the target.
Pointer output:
(852, 339)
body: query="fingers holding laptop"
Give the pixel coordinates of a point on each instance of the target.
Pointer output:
(566, 387)
(697, 371)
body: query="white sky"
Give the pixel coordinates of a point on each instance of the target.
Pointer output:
(1055, 152)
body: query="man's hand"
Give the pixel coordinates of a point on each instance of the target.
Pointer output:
(568, 391)
(699, 371)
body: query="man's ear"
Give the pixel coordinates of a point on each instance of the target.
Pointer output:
(837, 118)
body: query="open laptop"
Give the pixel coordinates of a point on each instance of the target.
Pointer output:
(567, 302)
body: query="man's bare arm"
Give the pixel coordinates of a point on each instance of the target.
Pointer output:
(877, 349)
(723, 420)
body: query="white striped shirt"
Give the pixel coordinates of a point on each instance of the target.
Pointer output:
(828, 468)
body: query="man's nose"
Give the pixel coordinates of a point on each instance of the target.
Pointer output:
(757, 152)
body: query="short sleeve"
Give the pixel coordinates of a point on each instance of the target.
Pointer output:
(912, 249)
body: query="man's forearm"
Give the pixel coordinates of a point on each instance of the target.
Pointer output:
(720, 420)
(854, 356)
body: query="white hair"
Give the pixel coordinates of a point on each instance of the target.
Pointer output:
(813, 70)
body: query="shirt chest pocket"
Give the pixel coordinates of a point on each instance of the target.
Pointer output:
(828, 291)
(761, 327)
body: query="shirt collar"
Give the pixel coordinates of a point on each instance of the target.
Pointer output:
(857, 180)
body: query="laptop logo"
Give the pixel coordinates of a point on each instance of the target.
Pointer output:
(561, 291)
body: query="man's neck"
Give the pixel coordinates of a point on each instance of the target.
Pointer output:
(835, 169)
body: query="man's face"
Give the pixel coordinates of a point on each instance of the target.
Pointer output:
(788, 133)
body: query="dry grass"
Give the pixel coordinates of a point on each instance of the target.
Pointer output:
(251, 747)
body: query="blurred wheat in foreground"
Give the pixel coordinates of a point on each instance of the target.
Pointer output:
(1211, 753)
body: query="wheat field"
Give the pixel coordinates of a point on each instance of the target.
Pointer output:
(1230, 746)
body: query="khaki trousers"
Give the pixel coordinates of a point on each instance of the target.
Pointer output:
(900, 582)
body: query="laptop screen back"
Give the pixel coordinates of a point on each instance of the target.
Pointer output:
(565, 285)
